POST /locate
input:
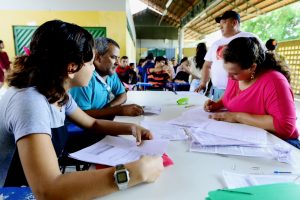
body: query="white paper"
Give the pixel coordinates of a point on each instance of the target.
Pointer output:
(236, 131)
(162, 130)
(152, 110)
(192, 118)
(233, 150)
(198, 118)
(207, 139)
(236, 180)
(118, 150)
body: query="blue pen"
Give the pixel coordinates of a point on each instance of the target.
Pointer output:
(281, 172)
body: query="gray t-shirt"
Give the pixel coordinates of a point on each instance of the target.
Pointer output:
(23, 112)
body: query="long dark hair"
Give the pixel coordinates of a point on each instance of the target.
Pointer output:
(201, 52)
(246, 51)
(54, 45)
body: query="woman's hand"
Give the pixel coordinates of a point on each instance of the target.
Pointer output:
(225, 116)
(210, 106)
(150, 168)
(140, 133)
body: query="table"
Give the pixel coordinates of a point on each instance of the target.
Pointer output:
(193, 174)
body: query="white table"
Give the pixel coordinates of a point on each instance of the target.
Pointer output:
(193, 175)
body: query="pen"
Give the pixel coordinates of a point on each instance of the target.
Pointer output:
(235, 191)
(188, 106)
(281, 172)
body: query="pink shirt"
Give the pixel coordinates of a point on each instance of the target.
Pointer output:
(268, 95)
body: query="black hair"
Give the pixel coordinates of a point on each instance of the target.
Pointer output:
(150, 56)
(246, 51)
(124, 57)
(201, 52)
(54, 45)
(160, 58)
(183, 60)
(271, 44)
(141, 61)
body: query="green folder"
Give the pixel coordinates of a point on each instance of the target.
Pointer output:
(280, 191)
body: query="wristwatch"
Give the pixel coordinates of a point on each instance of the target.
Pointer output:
(121, 176)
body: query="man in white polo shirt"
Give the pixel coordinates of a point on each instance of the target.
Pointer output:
(213, 67)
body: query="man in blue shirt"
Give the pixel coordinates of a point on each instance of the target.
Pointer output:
(105, 94)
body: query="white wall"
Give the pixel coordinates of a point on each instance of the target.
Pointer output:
(82, 5)
(130, 20)
(147, 43)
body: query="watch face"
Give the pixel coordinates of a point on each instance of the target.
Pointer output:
(122, 177)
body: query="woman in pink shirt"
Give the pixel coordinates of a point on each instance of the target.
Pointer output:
(258, 91)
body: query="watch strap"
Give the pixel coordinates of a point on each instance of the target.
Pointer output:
(120, 166)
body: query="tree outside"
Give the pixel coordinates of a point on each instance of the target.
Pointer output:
(282, 24)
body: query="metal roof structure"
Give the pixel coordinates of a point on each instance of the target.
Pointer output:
(197, 17)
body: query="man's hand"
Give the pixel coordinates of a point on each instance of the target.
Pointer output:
(131, 110)
(224, 116)
(200, 88)
(140, 134)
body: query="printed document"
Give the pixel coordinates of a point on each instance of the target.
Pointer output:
(236, 180)
(162, 130)
(119, 150)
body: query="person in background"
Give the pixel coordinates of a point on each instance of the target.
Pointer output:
(213, 67)
(33, 110)
(258, 91)
(105, 94)
(169, 68)
(184, 71)
(196, 66)
(4, 62)
(157, 76)
(174, 64)
(139, 68)
(122, 69)
(182, 75)
(132, 74)
(271, 45)
(148, 65)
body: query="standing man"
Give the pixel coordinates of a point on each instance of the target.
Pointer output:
(213, 67)
(4, 62)
(105, 94)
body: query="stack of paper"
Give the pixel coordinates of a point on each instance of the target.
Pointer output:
(280, 191)
(211, 136)
(236, 180)
(118, 150)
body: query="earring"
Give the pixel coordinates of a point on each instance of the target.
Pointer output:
(252, 75)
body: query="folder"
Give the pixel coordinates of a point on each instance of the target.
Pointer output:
(280, 191)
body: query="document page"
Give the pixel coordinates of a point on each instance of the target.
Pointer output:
(236, 180)
(118, 150)
(250, 151)
(163, 130)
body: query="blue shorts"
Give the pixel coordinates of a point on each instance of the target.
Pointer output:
(294, 142)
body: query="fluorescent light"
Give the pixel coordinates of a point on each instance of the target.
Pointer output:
(168, 3)
(155, 10)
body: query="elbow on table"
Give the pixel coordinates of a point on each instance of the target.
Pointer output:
(286, 130)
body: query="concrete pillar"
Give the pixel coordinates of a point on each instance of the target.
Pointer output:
(180, 42)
